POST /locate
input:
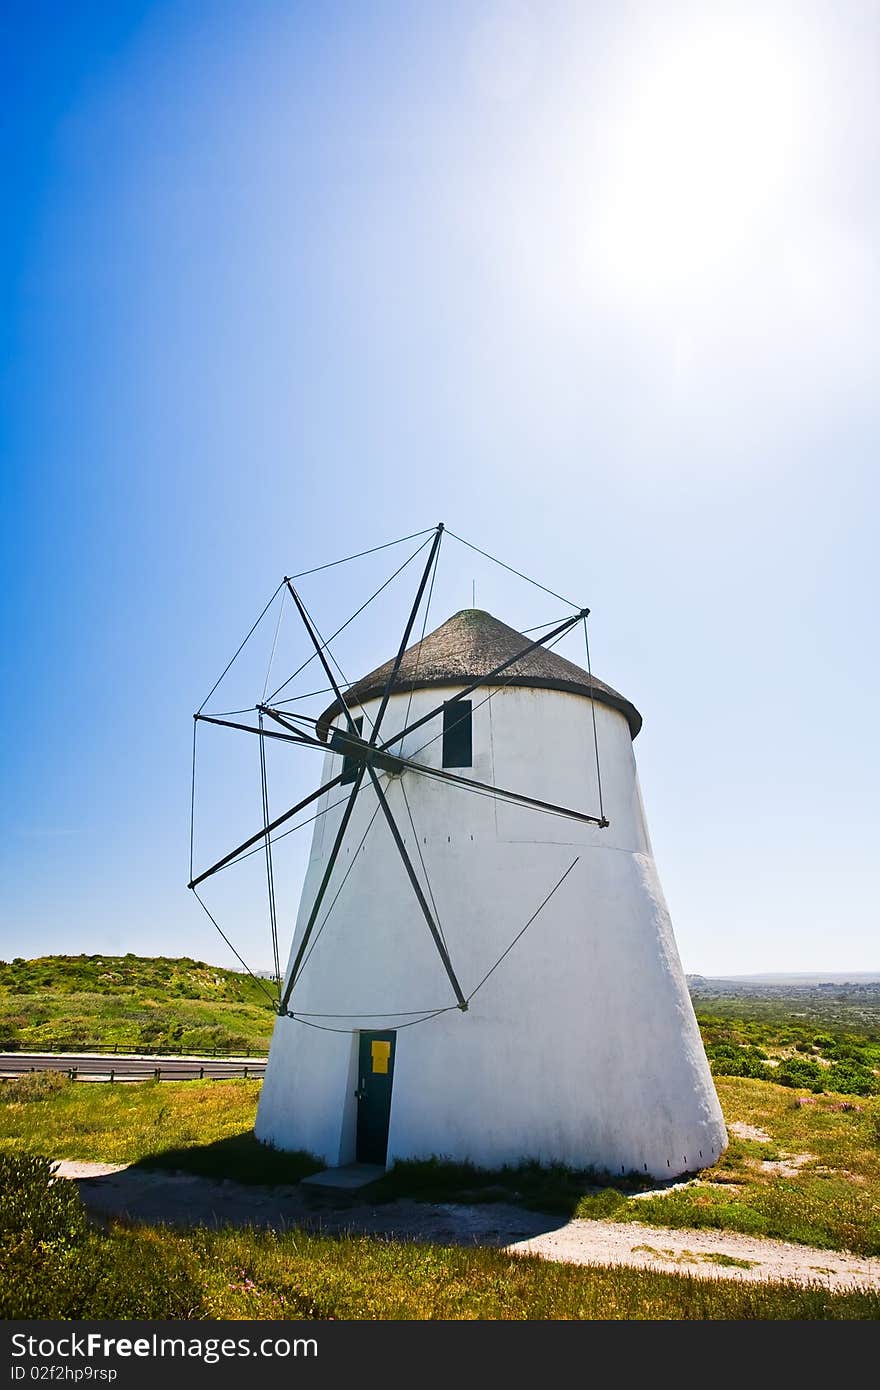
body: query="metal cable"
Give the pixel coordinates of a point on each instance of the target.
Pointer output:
(593, 712)
(305, 1018)
(518, 573)
(270, 874)
(192, 804)
(492, 693)
(336, 896)
(422, 638)
(300, 825)
(326, 649)
(274, 642)
(249, 709)
(494, 795)
(354, 615)
(360, 553)
(524, 930)
(298, 1018)
(241, 648)
(403, 1013)
(422, 862)
(254, 977)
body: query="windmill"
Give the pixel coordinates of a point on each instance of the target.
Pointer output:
(483, 965)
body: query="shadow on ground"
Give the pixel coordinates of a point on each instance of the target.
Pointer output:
(241, 1158)
(240, 1182)
(160, 1197)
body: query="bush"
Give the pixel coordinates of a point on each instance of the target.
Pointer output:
(607, 1203)
(852, 1080)
(799, 1072)
(53, 1264)
(32, 1202)
(727, 1059)
(33, 1085)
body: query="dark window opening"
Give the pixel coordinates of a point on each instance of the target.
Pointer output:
(457, 734)
(350, 765)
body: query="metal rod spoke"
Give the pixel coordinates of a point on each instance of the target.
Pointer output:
(297, 735)
(348, 621)
(319, 650)
(265, 830)
(322, 889)
(294, 735)
(441, 774)
(389, 684)
(417, 888)
(270, 871)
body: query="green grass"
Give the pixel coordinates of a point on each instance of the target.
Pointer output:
(54, 1263)
(830, 1200)
(266, 1275)
(531, 1185)
(203, 1127)
(69, 1269)
(64, 1003)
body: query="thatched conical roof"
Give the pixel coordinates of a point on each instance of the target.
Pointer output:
(469, 645)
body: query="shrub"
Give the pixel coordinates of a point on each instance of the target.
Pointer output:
(32, 1202)
(606, 1203)
(727, 1059)
(53, 1264)
(33, 1085)
(801, 1073)
(852, 1080)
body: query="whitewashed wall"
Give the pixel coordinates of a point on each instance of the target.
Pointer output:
(582, 1047)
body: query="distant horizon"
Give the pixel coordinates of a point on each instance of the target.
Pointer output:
(831, 977)
(760, 976)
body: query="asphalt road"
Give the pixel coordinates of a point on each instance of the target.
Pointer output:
(115, 1067)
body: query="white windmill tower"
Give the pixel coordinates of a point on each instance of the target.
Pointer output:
(483, 965)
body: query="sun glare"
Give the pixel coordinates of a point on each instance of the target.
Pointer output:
(700, 150)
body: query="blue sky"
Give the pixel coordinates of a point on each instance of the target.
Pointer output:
(597, 285)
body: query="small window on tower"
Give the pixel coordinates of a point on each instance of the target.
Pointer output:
(349, 764)
(457, 736)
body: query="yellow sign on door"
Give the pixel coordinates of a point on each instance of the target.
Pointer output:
(381, 1054)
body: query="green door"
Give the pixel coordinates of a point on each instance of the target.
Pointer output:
(375, 1075)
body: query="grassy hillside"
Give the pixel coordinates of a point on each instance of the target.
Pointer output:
(146, 1004)
(813, 1037)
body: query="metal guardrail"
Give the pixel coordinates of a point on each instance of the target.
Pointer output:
(86, 1068)
(253, 1073)
(135, 1048)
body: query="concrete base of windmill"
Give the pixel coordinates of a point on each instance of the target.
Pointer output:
(348, 1178)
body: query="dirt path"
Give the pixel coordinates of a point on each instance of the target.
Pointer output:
(181, 1199)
